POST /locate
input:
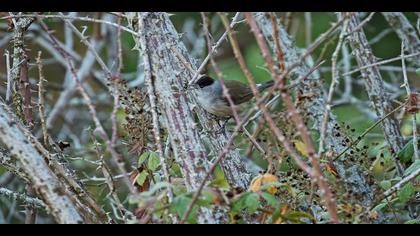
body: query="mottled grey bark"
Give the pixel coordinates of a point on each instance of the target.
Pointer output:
(35, 202)
(406, 32)
(12, 165)
(166, 78)
(171, 56)
(19, 28)
(44, 182)
(314, 107)
(375, 87)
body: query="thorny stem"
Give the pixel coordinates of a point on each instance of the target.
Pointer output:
(227, 94)
(315, 172)
(333, 85)
(216, 67)
(22, 197)
(213, 49)
(381, 63)
(280, 59)
(212, 169)
(41, 106)
(374, 87)
(407, 88)
(26, 91)
(88, 19)
(397, 186)
(99, 128)
(155, 120)
(366, 20)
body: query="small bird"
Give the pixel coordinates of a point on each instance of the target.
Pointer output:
(210, 94)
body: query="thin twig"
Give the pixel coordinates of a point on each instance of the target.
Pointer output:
(92, 110)
(397, 186)
(334, 83)
(216, 67)
(359, 138)
(211, 170)
(25, 90)
(225, 89)
(41, 103)
(9, 78)
(366, 20)
(407, 88)
(315, 171)
(91, 48)
(213, 49)
(72, 18)
(381, 63)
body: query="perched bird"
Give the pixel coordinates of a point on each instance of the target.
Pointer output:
(210, 94)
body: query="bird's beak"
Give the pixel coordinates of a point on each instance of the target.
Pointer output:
(192, 87)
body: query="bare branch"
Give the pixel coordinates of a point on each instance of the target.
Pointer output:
(409, 94)
(406, 32)
(299, 64)
(375, 87)
(43, 180)
(22, 197)
(315, 172)
(157, 37)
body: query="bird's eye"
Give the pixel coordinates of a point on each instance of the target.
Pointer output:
(205, 81)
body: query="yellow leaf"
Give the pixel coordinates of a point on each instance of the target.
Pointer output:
(260, 180)
(378, 168)
(301, 147)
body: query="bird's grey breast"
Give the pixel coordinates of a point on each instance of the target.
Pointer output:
(211, 99)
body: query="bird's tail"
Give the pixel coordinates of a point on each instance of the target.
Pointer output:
(265, 85)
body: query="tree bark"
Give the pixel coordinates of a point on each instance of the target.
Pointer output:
(406, 32)
(44, 182)
(375, 87)
(166, 78)
(314, 107)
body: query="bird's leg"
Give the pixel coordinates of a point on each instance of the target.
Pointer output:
(222, 122)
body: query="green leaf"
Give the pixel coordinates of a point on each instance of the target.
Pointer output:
(418, 71)
(159, 213)
(180, 204)
(271, 200)
(252, 202)
(415, 166)
(406, 192)
(153, 162)
(206, 199)
(239, 202)
(385, 184)
(407, 152)
(297, 216)
(221, 183)
(412, 222)
(156, 187)
(143, 157)
(141, 177)
(380, 206)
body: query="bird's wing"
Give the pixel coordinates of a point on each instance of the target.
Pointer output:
(234, 88)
